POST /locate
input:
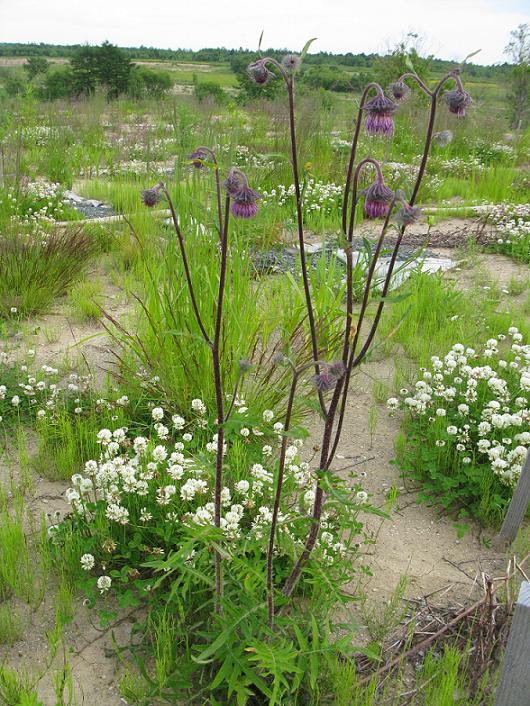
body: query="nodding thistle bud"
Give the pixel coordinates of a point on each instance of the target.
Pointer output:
(243, 197)
(244, 365)
(151, 197)
(407, 214)
(197, 158)
(337, 369)
(399, 90)
(457, 100)
(324, 381)
(259, 73)
(379, 120)
(377, 199)
(328, 378)
(443, 138)
(291, 62)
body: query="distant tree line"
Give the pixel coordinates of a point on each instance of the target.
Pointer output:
(222, 54)
(90, 68)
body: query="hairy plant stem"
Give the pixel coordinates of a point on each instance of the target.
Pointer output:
(327, 454)
(219, 400)
(289, 83)
(426, 149)
(277, 499)
(217, 187)
(186, 265)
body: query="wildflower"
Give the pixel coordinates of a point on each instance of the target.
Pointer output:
(377, 199)
(324, 381)
(178, 422)
(197, 158)
(259, 73)
(407, 215)
(291, 62)
(361, 496)
(87, 562)
(157, 413)
(379, 120)
(399, 90)
(268, 415)
(443, 138)
(392, 403)
(244, 431)
(104, 583)
(457, 100)
(151, 197)
(198, 406)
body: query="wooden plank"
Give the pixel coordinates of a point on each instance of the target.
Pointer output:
(514, 685)
(517, 509)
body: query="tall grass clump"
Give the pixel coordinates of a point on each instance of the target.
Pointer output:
(35, 270)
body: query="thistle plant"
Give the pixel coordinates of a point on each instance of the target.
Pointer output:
(241, 201)
(379, 202)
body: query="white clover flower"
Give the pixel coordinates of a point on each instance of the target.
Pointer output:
(104, 436)
(361, 496)
(244, 431)
(242, 486)
(268, 415)
(392, 403)
(178, 422)
(267, 450)
(441, 412)
(145, 515)
(198, 406)
(87, 562)
(452, 430)
(176, 471)
(15, 401)
(140, 445)
(466, 460)
(157, 413)
(187, 437)
(104, 583)
(117, 513)
(440, 442)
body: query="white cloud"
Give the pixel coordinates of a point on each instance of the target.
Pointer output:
(451, 28)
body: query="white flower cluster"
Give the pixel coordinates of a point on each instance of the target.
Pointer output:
(511, 221)
(318, 196)
(142, 482)
(478, 403)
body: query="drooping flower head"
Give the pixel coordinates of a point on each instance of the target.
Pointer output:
(328, 378)
(377, 199)
(197, 158)
(244, 199)
(259, 73)
(379, 119)
(151, 197)
(291, 62)
(399, 90)
(443, 138)
(407, 214)
(457, 100)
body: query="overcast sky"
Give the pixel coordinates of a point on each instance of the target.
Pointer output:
(451, 28)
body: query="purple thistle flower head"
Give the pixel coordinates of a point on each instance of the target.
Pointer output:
(457, 100)
(197, 158)
(377, 199)
(291, 62)
(244, 204)
(324, 381)
(259, 73)
(379, 120)
(151, 197)
(443, 138)
(399, 90)
(243, 197)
